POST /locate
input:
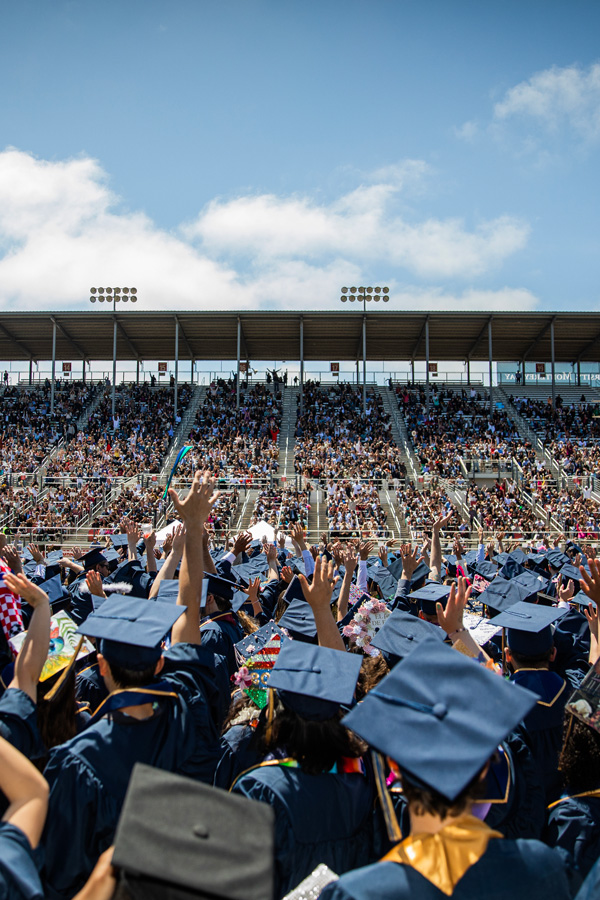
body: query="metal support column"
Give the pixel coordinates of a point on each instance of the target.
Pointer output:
(53, 366)
(30, 371)
(578, 373)
(83, 371)
(175, 395)
(192, 371)
(301, 365)
(137, 371)
(114, 378)
(239, 350)
(364, 365)
(490, 365)
(553, 362)
(412, 369)
(427, 363)
(469, 372)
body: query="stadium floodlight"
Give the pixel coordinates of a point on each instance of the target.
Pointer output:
(367, 294)
(114, 295)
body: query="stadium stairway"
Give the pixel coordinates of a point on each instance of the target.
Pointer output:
(246, 509)
(287, 432)
(183, 429)
(399, 433)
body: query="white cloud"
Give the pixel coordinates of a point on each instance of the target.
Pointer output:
(62, 230)
(559, 100)
(468, 131)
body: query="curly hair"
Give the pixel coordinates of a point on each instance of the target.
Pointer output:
(579, 761)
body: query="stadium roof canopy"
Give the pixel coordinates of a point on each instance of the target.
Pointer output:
(266, 335)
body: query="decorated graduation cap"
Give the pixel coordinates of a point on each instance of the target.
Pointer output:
(502, 594)
(315, 681)
(257, 654)
(430, 594)
(529, 632)
(367, 617)
(177, 837)
(403, 632)
(131, 630)
(437, 698)
(299, 620)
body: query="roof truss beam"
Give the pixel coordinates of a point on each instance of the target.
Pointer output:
(542, 333)
(66, 335)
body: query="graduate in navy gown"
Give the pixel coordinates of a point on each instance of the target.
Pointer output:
(157, 712)
(313, 774)
(438, 718)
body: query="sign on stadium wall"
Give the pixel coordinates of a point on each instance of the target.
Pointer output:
(162, 368)
(335, 368)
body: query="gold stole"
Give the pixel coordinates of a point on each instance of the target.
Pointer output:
(443, 858)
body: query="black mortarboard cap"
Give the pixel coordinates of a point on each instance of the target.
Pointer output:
(314, 681)
(437, 698)
(178, 837)
(402, 632)
(131, 629)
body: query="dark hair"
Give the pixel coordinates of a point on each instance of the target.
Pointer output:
(531, 662)
(579, 761)
(56, 717)
(316, 746)
(224, 606)
(372, 670)
(130, 678)
(428, 801)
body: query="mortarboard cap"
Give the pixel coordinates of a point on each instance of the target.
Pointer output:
(131, 629)
(556, 558)
(500, 558)
(571, 573)
(529, 632)
(532, 582)
(511, 569)
(293, 590)
(486, 569)
(299, 620)
(220, 587)
(435, 698)
(119, 540)
(314, 681)
(93, 557)
(178, 837)
(402, 633)
(168, 590)
(518, 556)
(53, 587)
(385, 581)
(419, 575)
(502, 594)
(395, 568)
(255, 642)
(430, 594)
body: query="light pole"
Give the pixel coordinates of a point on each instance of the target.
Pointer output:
(114, 296)
(366, 295)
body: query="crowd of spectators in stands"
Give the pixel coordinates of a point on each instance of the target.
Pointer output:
(570, 432)
(29, 429)
(354, 510)
(237, 446)
(281, 507)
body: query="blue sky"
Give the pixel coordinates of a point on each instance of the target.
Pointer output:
(263, 153)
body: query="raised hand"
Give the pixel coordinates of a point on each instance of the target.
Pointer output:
(36, 553)
(318, 593)
(410, 560)
(25, 588)
(195, 508)
(451, 618)
(590, 584)
(94, 583)
(242, 543)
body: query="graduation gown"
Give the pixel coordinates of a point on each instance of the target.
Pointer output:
(219, 634)
(239, 752)
(88, 775)
(543, 726)
(318, 819)
(518, 869)
(19, 876)
(574, 825)
(90, 687)
(18, 723)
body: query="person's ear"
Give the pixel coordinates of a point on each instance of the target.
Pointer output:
(103, 666)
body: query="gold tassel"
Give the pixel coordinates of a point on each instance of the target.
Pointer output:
(270, 716)
(387, 807)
